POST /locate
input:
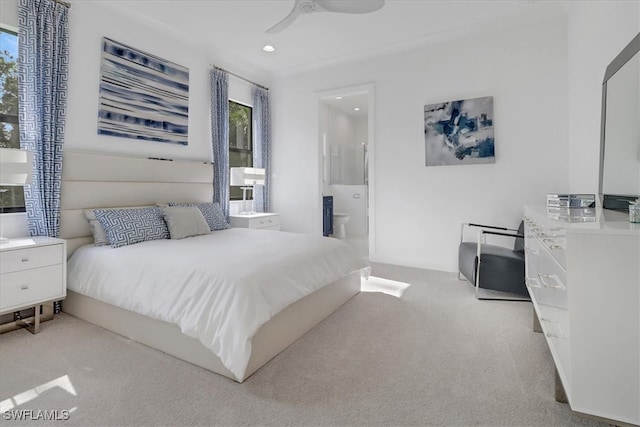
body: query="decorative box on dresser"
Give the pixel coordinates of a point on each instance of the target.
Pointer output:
(265, 221)
(33, 271)
(583, 274)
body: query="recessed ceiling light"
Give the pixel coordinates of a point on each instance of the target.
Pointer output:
(356, 109)
(268, 48)
(338, 97)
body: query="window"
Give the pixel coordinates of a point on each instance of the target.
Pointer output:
(11, 198)
(240, 142)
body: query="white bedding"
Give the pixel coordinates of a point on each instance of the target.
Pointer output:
(219, 288)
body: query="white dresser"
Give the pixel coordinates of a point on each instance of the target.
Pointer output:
(265, 221)
(32, 271)
(584, 281)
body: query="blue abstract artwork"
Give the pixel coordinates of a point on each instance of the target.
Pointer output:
(142, 96)
(459, 132)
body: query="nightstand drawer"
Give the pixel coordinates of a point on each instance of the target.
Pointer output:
(30, 286)
(265, 222)
(28, 258)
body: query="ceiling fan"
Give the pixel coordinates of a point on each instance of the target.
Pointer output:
(301, 7)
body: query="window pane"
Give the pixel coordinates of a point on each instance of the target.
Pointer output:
(240, 143)
(11, 198)
(239, 126)
(8, 73)
(243, 159)
(9, 135)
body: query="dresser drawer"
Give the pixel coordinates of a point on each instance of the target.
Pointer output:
(265, 222)
(28, 258)
(27, 287)
(546, 280)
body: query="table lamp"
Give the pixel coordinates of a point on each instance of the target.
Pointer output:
(15, 168)
(246, 178)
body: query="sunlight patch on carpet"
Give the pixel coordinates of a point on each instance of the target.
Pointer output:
(385, 286)
(63, 382)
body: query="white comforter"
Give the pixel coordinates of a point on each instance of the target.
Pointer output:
(220, 288)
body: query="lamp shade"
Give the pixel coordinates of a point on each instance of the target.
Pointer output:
(247, 176)
(15, 166)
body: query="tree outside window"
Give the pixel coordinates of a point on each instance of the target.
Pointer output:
(240, 143)
(11, 198)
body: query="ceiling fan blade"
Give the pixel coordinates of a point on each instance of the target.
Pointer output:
(295, 12)
(350, 6)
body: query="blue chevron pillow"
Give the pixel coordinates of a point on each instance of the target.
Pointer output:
(128, 226)
(212, 212)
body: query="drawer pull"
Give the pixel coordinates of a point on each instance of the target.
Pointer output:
(551, 281)
(25, 259)
(555, 335)
(24, 287)
(551, 244)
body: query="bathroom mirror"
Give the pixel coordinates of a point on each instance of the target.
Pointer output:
(620, 132)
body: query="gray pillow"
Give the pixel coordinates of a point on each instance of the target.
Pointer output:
(185, 222)
(212, 213)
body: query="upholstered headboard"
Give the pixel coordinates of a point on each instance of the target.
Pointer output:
(93, 180)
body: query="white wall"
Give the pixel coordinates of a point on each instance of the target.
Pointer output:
(340, 127)
(597, 32)
(418, 210)
(88, 23)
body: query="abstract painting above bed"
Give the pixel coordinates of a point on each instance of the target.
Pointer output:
(142, 96)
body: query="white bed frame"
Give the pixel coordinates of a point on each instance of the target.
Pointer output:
(93, 180)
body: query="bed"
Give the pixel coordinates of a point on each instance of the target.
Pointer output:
(239, 344)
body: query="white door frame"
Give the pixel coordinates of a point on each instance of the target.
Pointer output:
(367, 88)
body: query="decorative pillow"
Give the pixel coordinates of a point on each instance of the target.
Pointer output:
(99, 236)
(212, 213)
(128, 226)
(185, 222)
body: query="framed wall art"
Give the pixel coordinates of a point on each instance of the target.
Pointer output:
(142, 96)
(459, 132)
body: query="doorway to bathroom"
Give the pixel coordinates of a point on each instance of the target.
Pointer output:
(346, 149)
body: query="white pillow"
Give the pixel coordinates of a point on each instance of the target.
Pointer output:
(185, 222)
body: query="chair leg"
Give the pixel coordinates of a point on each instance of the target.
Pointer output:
(478, 276)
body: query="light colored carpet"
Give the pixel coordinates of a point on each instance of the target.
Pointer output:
(432, 356)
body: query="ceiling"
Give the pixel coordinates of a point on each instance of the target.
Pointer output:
(347, 104)
(235, 29)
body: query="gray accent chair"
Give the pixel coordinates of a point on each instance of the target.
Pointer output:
(497, 272)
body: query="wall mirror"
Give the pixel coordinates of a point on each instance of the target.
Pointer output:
(620, 133)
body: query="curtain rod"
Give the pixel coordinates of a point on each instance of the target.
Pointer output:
(240, 77)
(64, 3)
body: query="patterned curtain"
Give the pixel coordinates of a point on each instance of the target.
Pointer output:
(43, 60)
(262, 147)
(220, 137)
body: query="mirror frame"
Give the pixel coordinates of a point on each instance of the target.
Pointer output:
(613, 201)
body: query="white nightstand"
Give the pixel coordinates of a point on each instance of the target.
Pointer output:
(33, 271)
(264, 221)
